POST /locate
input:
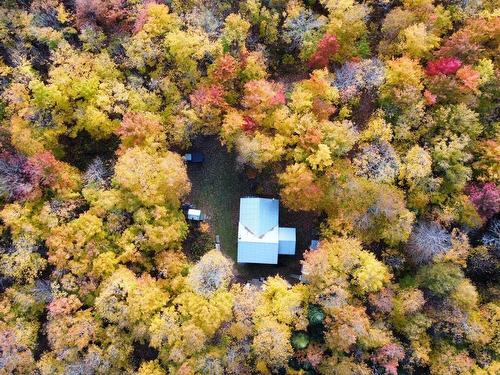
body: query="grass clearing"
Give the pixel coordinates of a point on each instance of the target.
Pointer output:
(217, 186)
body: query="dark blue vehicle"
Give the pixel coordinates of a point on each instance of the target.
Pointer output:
(194, 157)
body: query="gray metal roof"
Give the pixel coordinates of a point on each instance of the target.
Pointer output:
(259, 215)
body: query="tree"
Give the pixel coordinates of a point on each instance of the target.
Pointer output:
(486, 199)
(207, 314)
(97, 174)
(447, 359)
(340, 136)
(458, 119)
(24, 178)
(417, 166)
(339, 364)
(107, 14)
(15, 355)
(93, 97)
(265, 19)
(184, 49)
(414, 29)
(300, 189)
(491, 237)
(377, 129)
(352, 41)
(440, 278)
(470, 42)
(153, 179)
(381, 215)
(246, 299)
(30, 220)
(72, 333)
(235, 29)
(150, 368)
(350, 325)
(447, 65)
(337, 260)
(371, 274)
(154, 229)
(296, 27)
(388, 357)
(417, 41)
(401, 73)
(170, 264)
(130, 302)
(450, 157)
(321, 159)
(487, 160)
(210, 104)
(377, 161)
(427, 240)
(22, 262)
(327, 46)
(140, 129)
(271, 343)
(16, 183)
(74, 245)
(262, 95)
(212, 272)
(282, 302)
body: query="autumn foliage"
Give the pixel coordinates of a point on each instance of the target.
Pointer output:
(327, 46)
(374, 123)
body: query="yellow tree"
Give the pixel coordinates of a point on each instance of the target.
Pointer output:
(130, 302)
(152, 178)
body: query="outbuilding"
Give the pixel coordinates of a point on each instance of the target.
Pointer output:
(195, 215)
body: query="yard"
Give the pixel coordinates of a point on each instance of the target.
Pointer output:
(217, 186)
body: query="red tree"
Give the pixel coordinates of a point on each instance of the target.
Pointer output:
(249, 124)
(486, 199)
(327, 47)
(207, 96)
(446, 65)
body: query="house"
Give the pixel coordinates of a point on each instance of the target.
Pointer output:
(260, 238)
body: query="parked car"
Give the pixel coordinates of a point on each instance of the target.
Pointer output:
(194, 157)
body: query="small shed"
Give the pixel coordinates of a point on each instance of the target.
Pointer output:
(195, 215)
(314, 244)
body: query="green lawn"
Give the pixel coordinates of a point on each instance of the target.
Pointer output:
(217, 186)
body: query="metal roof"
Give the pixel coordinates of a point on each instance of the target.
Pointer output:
(259, 215)
(194, 212)
(287, 238)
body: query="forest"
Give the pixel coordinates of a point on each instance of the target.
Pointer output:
(379, 117)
